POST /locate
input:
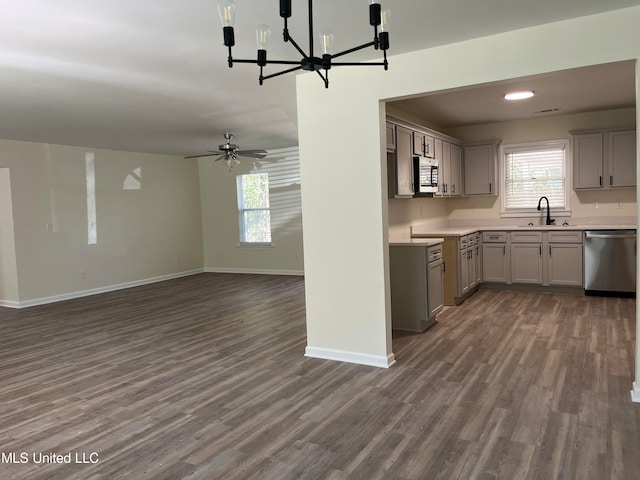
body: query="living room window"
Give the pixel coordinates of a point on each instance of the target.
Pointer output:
(253, 209)
(534, 170)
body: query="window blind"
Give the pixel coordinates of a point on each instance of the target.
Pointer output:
(533, 172)
(253, 208)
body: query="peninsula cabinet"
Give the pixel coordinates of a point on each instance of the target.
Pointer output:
(604, 159)
(416, 286)
(480, 163)
(400, 167)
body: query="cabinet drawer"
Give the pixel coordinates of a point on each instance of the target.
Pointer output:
(526, 237)
(473, 240)
(434, 253)
(492, 237)
(573, 236)
(464, 242)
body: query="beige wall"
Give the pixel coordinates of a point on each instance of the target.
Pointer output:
(8, 269)
(347, 280)
(610, 203)
(222, 252)
(143, 234)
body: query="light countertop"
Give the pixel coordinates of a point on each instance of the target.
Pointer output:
(418, 242)
(425, 231)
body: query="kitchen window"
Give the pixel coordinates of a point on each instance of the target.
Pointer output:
(253, 209)
(531, 171)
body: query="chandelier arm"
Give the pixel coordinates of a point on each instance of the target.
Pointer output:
(351, 50)
(272, 62)
(297, 47)
(277, 74)
(324, 79)
(355, 64)
(310, 28)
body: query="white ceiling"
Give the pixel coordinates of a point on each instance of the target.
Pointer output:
(151, 75)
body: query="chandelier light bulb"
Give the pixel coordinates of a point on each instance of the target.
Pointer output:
(263, 32)
(327, 41)
(384, 20)
(227, 12)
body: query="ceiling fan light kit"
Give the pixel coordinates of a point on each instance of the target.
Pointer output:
(378, 19)
(230, 151)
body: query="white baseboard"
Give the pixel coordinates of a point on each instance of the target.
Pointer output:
(635, 393)
(350, 357)
(9, 304)
(95, 291)
(265, 271)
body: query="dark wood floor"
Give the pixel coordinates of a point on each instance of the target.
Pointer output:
(204, 378)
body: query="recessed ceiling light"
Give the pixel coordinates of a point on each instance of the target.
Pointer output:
(521, 95)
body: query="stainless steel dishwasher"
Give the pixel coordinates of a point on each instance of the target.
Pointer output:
(610, 262)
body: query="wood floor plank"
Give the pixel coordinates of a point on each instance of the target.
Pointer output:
(204, 377)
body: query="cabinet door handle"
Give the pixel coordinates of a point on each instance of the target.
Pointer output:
(540, 249)
(600, 180)
(454, 188)
(549, 250)
(490, 188)
(444, 266)
(504, 250)
(610, 180)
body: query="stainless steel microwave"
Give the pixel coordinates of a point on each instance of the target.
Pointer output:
(425, 174)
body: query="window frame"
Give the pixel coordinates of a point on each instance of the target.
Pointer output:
(241, 212)
(565, 144)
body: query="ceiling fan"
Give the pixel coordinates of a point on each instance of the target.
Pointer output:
(230, 151)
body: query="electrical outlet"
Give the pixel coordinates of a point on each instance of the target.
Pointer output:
(619, 204)
(49, 227)
(595, 205)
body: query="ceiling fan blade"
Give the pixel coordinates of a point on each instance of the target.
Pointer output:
(252, 153)
(221, 157)
(202, 155)
(215, 151)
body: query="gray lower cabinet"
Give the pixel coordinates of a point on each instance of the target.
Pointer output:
(416, 286)
(565, 259)
(526, 263)
(526, 257)
(435, 288)
(495, 257)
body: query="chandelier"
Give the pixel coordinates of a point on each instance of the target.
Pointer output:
(378, 19)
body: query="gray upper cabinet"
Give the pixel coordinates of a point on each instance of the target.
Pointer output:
(622, 158)
(480, 169)
(403, 171)
(423, 145)
(450, 170)
(604, 159)
(391, 137)
(455, 163)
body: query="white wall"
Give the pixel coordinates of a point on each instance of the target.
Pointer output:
(8, 268)
(143, 234)
(347, 280)
(222, 252)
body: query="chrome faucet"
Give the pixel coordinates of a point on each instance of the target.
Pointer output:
(550, 221)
